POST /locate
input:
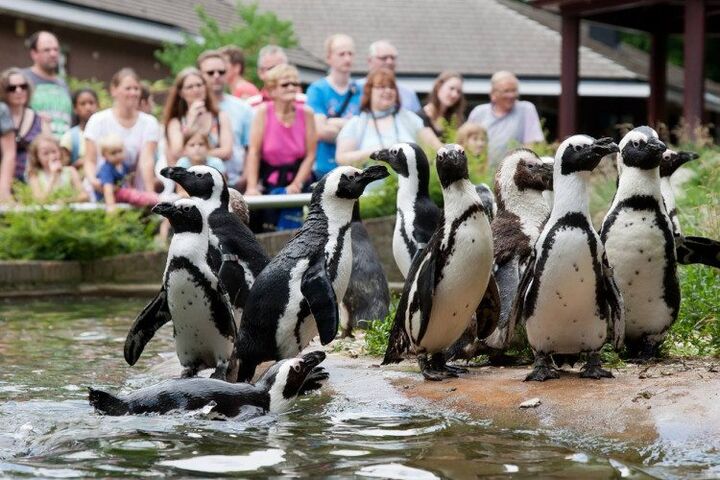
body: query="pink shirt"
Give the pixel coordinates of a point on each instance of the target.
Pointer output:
(283, 145)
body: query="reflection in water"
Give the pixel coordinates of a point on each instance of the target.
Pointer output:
(360, 426)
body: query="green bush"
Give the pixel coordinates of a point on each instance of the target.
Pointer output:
(74, 235)
(378, 331)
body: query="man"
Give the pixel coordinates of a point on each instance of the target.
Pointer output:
(509, 122)
(384, 54)
(51, 96)
(214, 68)
(235, 59)
(334, 99)
(269, 57)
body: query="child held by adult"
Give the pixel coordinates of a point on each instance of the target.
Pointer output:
(48, 178)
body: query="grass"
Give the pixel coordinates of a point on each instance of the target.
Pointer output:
(377, 333)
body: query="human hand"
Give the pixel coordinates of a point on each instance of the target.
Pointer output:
(293, 188)
(55, 166)
(252, 191)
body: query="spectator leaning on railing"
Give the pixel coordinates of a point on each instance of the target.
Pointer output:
(7, 154)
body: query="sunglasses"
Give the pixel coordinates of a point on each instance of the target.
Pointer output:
(18, 87)
(290, 84)
(212, 73)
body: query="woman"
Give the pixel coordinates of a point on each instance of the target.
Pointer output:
(7, 154)
(381, 123)
(139, 131)
(446, 105)
(191, 106)
(16, 91)
(282, 137)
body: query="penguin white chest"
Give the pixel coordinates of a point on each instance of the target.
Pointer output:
(344, 268)
(565, 318)
(401, 239)
(197, 339)
(635, 247)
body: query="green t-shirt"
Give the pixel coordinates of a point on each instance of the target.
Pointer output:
(51, 99)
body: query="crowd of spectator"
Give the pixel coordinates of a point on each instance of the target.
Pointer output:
(267, 140)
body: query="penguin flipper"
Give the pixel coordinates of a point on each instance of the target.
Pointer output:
(616, 324)
(487, 313)
(106, 403)
(154, 315)
(691, 250)
(398, 340)
(517, 312)
(320, 295)
(232, 278)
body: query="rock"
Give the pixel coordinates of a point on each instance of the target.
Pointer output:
(532, 403)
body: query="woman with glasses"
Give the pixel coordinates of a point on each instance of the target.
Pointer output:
(191, 105)
(381, 123)
(16, 91)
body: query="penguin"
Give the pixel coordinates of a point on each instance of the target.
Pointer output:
(638, 238)
(238, 205)
(274, 392)
(235, 254)
(417, 215)
(367, 296)
(567, 297)
(487, 198)
(192, 297)
(449, 278)
(691, 249)
(296, 296)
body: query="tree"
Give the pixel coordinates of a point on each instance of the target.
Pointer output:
(255, 30)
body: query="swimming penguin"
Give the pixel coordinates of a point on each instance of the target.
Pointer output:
(567, 296)
(368, 296)
(296, 296)
(417, 215)
(691, 249)
(235, 254)
(192, 297)
(274, 392)
(638, 238)
(449, 278)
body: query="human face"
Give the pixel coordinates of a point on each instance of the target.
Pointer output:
(114, 155)
(268, 62)
(215, 72)
(286, 88)
(193, 89)
(505, 94)
(46, 56)
(196, 150)
(342, 55)
(85, 106)
(383, 96)
(476, 144)
(127, 93)
(48, 152)
(450, 92)
(17, 91)
(385, 56)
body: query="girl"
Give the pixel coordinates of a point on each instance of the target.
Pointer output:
(46, 174)
(196, 146)
(85, 103)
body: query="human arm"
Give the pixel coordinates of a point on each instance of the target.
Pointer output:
(174, 144)
(109, 196)
(328, 128)
(41, 193)
(532, 130)
(426, 136)
(252, 161)
(146, 165)
(225, 138)
(82, 195)
(311, 148)
(7, 165)
(90, 163)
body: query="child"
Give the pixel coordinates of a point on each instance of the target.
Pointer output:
(46, 173)
(196, 145)
(85, 103)
(473, 139)
(113, 174)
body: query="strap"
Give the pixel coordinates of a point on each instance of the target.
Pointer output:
(346, 101)
(229, 257)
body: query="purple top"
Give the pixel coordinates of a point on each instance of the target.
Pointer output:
(22, 145)
(282, 145)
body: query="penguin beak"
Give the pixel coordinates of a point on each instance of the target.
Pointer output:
(164, 209)
(604, 146)
(370, 174)
(173, 173)
(546, 173)
(385, 155)
(656, 146)
(671, 161)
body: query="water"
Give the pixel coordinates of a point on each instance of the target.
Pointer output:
(359, 426)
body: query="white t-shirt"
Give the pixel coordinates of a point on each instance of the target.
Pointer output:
(146, 129)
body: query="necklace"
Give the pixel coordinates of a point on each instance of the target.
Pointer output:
(383, 114)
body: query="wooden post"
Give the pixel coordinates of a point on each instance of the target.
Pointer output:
(658, 79)
(694, 63)
(569, 53)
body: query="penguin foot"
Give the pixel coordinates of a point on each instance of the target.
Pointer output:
(434, 368)
(541, 373)
(595, 371)
(456, 370)
(437, 375)
(221, 370)
(189, 372)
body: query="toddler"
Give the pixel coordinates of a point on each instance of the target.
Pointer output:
(46, 174)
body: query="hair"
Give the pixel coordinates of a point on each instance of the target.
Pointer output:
(176, 106)
(120, 75)
(193, 132)
(382, 74)
(5, 82)
(499, 77)
(33, 164)
(208, 54)
(457, 111)
(76, 95)
(330, 41)
(145, 92)
(32, 41)
(110, 140)
(234, 55)
(268, 50)
(274, 75)
(372, 49)
(468, 130)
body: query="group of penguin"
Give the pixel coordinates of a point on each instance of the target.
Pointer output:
(478, 272)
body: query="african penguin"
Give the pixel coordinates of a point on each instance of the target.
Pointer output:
(638, 238)
(192, 297)
(296, 296)
(487, 198)
(449, 278)
(274, 392)
(417, 215)
(691, 249)
(367, 296)
(567, 297)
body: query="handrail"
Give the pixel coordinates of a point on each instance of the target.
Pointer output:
(259, 202)
(54, 207)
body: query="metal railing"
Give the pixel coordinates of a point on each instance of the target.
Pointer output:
(260, 202)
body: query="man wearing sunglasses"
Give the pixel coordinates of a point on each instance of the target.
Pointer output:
(214, 68)
(51, 96)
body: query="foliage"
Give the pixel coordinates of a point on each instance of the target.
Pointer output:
(254, 31)
(98, 86)
(67, 234)
(378, 331)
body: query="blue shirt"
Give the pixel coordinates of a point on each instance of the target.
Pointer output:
(325, 100)
(213, 162)
(241, 115)
(109, 173)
